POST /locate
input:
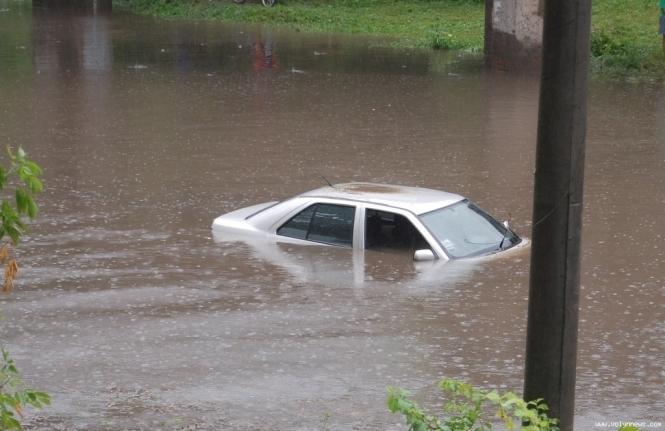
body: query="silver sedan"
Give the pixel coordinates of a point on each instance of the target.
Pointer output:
(429, 223)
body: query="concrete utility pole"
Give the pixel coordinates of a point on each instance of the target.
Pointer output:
(551, 349)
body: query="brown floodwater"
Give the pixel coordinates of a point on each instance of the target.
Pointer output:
(133, 316)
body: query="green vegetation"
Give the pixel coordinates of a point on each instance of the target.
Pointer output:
(21, 177)
(13, 396)
(454, 24)
(625, 40)
(28, 185)
(466, 407)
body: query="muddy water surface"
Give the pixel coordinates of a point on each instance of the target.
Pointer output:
(133, 317)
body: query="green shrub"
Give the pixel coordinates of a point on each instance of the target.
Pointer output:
(13, 396)
(21, 177)
(465, 408)
(615, 51)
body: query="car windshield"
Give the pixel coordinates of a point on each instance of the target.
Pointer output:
(465, 230)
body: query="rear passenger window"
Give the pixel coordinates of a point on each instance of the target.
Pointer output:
(332, 224)
(326, 223)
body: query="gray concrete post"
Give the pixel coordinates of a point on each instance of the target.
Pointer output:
(513, 34)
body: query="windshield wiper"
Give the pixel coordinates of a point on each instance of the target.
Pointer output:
(505, 232)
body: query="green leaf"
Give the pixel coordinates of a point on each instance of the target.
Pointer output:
(493, 396)
(35, 185)
(43, 398)
(419, 426)
(33, 209)
(21, 200)
(3, 177)
(24, 173)
(36, 399)
(392, 403)
(34, 167)
(6, 210)
(13, 233)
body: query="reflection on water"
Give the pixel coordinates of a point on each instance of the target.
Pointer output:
(350, 268)
(147, 130)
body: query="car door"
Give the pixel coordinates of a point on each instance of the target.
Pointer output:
(393, 229)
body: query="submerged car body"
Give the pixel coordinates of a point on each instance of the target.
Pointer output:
(432, 224)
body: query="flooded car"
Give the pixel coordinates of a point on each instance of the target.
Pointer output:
(429, 223)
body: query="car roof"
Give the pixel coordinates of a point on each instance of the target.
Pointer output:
(415, 199)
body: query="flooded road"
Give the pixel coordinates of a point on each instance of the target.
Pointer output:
(133, 317)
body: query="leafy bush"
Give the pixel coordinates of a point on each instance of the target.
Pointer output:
(465, 409)
(13, 396)
(21, 176)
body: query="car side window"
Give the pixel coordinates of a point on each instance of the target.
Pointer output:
(332, 224)
(326, 223)
(298, 226)
(386, 230)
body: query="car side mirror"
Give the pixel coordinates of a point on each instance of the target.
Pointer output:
(506, 224)
(423, 255)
